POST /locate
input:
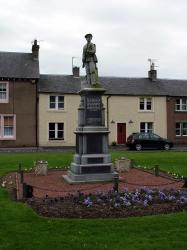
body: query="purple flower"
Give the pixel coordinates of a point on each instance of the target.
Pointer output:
(127, 203)
(162, 195)
(88, 202)
(150, 197)
(171, 198)
(183, 199)
(117, 205)
(145, 203)
(178, 202)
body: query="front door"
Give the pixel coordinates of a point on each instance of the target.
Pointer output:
(121, 133)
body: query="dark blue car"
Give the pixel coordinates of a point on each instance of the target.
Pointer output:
(141, 141)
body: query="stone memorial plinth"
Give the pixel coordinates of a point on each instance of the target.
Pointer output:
(92, 161)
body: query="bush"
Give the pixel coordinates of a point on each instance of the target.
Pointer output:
(114, 143)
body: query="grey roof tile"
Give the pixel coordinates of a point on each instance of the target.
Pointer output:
(67, 84)
(18, 65)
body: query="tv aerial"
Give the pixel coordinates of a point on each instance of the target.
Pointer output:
(153, 62)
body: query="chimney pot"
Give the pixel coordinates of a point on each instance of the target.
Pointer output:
(35, 50)
(76, 71)
(152, 73)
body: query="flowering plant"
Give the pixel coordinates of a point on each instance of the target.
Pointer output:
(140, 197)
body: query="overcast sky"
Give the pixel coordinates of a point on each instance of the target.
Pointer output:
(126, 33)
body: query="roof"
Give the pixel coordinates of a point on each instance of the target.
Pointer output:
(18, 65)
(67, 84)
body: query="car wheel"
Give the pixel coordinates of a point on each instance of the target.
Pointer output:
(166, 146)
(138, 147)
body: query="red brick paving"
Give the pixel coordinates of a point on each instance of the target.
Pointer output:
(54, 185)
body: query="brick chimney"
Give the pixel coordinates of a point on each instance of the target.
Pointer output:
(152, 73)
(35, 50)
(76, 71)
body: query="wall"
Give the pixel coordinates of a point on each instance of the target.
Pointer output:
(69, 116)
(172, 117)
(22, 103)
(122, 109)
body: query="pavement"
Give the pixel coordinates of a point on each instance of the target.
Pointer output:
(177, 147)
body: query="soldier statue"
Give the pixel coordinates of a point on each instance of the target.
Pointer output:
(89, 61)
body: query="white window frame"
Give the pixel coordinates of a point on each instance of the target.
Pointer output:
(56, 102)
(147, 129)
(181, 128)
(182, 103)
(56, 132)
(145, 104)
(2, 136)
(7, 92)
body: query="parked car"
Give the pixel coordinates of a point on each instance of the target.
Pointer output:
(141, 141)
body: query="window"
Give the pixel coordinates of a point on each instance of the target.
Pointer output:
(3, 92)
(146, 127)
(144, 136)
(154, 136)
(181, 128)
(146, 103)
(56, 131)
(56, 102)
(181, 104)
(7, 127)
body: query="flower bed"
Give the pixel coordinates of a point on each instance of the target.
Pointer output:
(143, 201)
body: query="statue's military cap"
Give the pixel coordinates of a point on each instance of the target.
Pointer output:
(88, 35)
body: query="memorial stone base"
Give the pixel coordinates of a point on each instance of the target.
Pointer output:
(92, 161)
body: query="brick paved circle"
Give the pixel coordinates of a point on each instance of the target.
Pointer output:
(54, 185)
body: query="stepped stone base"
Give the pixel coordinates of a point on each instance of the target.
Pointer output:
(72, 178)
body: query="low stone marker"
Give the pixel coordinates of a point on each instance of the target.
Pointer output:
(41, 167)
(123, 164)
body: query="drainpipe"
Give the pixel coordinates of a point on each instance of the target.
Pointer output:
(37, 99)
(107, 110)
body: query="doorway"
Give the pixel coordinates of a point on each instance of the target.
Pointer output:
(121, 133)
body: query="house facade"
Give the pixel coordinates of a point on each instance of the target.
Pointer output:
(130, 114)
(177, 119)
(42, 110)
(19, 73)
(127, 110)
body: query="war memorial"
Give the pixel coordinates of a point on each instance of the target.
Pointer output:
(92, 161)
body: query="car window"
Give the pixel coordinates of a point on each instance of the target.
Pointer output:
(154, 136)
(144, 136)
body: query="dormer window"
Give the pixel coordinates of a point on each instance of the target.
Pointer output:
(3, 92)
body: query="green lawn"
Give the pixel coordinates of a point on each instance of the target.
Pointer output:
(21, 228)
(167, 160)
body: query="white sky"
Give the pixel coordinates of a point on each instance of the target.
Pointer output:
(126, 33)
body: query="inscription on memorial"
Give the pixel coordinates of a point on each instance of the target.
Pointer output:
(93, 110)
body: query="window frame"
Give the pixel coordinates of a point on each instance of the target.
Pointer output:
(180, 105)
(56, 130)
(56, 102)
(147, 129)
(180, 129)
(145, 104)
(2, 127)
(7, 92)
